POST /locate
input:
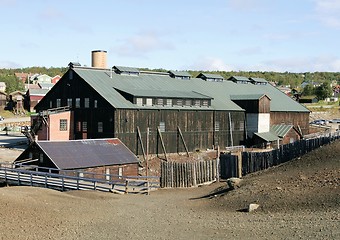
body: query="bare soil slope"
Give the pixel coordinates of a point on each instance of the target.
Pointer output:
(299, 200)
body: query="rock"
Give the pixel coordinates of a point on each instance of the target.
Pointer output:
(234, 182)
(252, 207)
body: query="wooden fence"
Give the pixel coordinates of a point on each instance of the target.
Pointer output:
(188, 174)
(53, 178)
(257, 161)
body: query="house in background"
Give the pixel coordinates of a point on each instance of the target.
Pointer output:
(33, 97)
(101, 156)
(55, 79)
(42, 78)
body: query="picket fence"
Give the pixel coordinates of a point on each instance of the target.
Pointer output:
(188, 174)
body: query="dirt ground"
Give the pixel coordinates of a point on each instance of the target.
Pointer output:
(298, 200)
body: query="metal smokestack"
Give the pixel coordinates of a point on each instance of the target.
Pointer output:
(99, 59)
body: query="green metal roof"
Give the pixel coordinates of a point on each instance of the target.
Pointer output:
(247, 97)
(281, 129)
(259, 80)
(239, 78)
(126, 69)
(180, 74)
(220, 92)
(210, 76)
(267, 136)
(165, 94)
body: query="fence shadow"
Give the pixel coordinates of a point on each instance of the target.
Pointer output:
(216, 193)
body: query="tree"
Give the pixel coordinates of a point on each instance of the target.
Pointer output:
(308, 90)
(323, 91)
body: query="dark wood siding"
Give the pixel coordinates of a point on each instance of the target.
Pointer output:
(261, 105)
(300, 119)
(198, 129)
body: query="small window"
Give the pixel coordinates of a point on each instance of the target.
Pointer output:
(95, 103)
(69, 102)
(187, 102)
(162, 126)
(139, 101)
(205, 103)
(169, 102)
(41, 157)
(149, 102)
(217, 126)
(159, 101)
(63, 125)
(70, 75)
(197, 103)
(77, 102)
(84, 125)
(58, 102)
(100, 127)
(51, 104)
(179, 102)
(87, 103)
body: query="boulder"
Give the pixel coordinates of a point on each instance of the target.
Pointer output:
(252, 207)
(234, 182)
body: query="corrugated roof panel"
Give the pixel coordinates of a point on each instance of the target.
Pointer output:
(281, 129)
(267, 136)
(76, 154)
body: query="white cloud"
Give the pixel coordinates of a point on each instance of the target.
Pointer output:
(327, 11)
(209, 64)
(143, 43)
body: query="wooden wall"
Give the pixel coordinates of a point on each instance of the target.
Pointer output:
(295, 118)
(198, 129)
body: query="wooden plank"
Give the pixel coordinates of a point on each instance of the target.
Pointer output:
(141, 142)
(162, 142)
(182, 138)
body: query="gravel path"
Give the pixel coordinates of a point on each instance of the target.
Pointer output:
(298, 200)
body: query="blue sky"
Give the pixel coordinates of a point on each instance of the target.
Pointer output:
(248, 35)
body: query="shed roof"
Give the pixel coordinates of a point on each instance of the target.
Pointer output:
(281, 129)
(267, 136)
(77, 154)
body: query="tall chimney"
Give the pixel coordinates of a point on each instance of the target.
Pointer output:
(99, 59)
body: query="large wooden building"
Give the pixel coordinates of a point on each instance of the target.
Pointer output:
(163, 112)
